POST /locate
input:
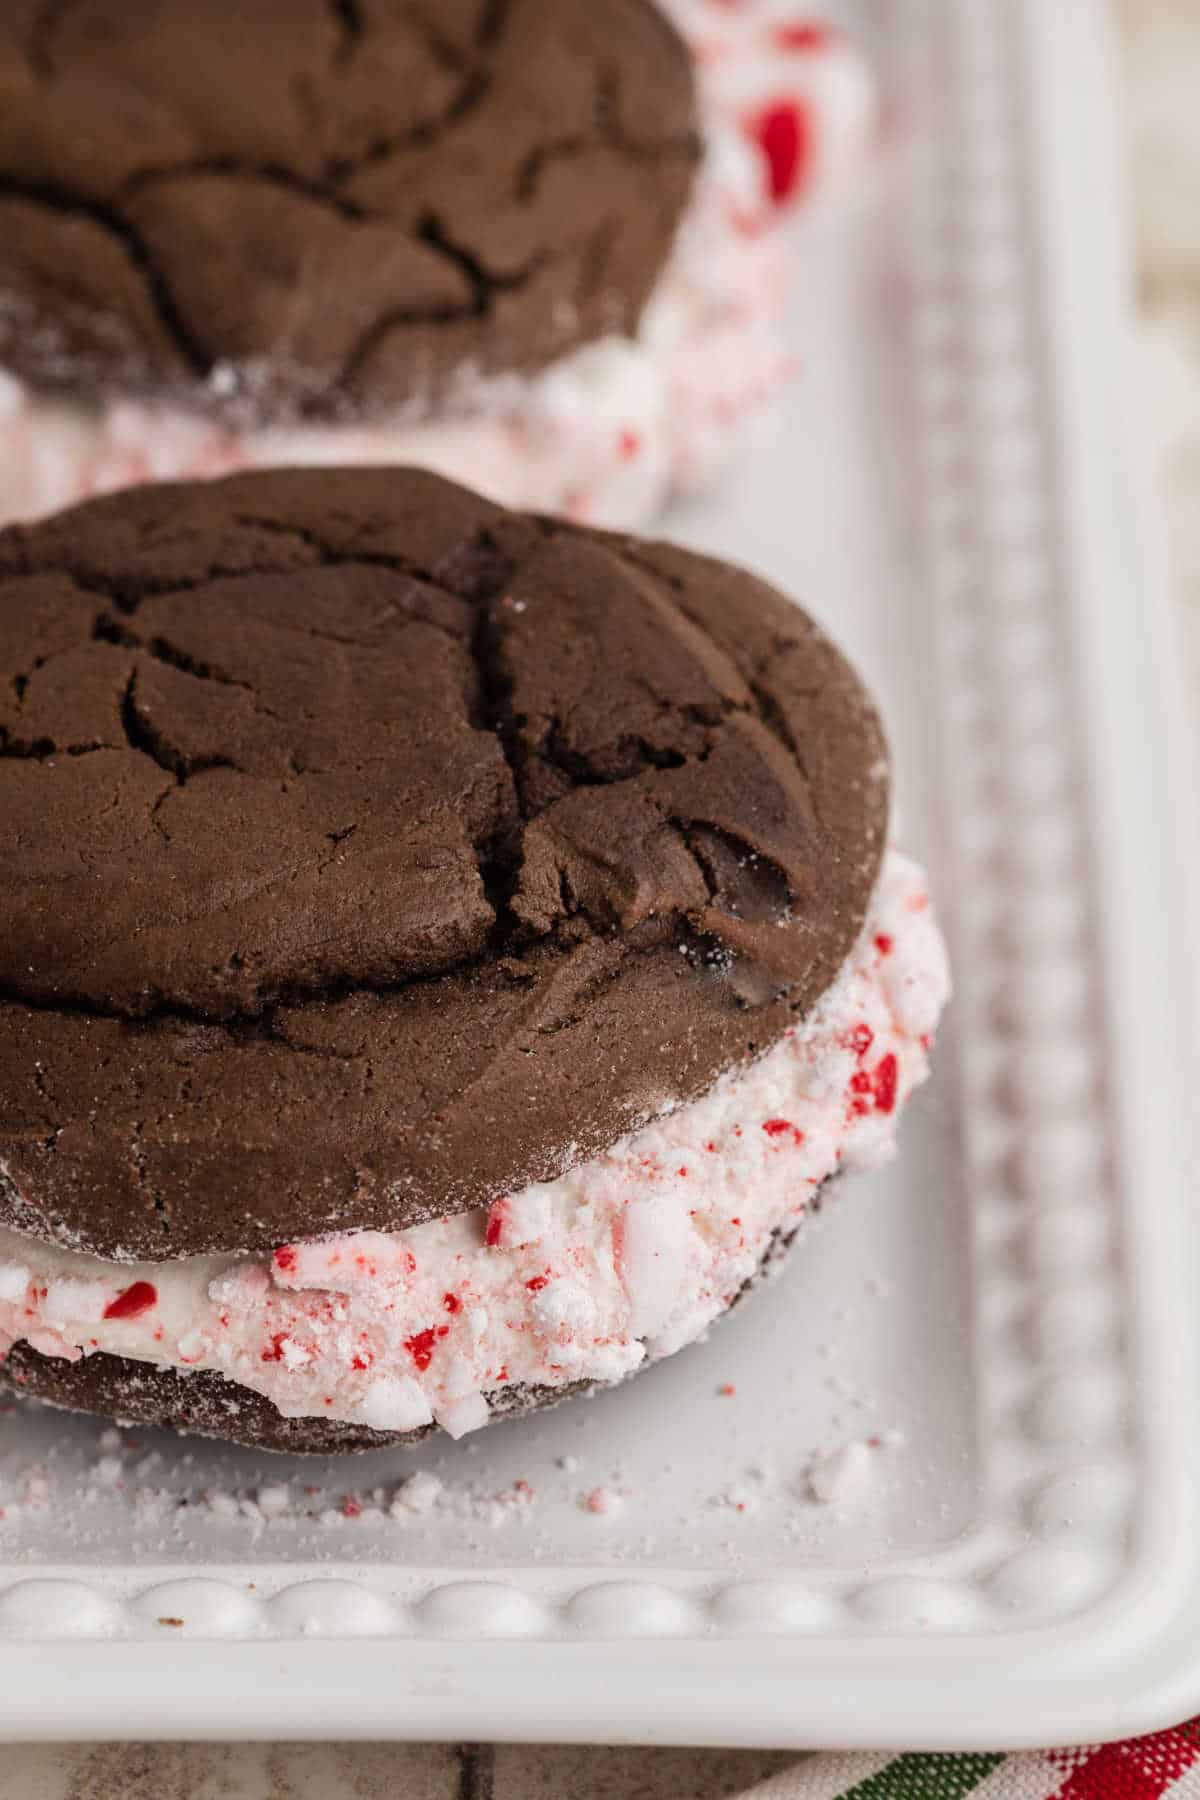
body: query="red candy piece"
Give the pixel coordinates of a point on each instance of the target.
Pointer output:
(883, 943)
(810, 36)
(285, 1259)
(886, 1076)
(135, 1301)
(537, 1284)
(777, 1127)
(421, 1347)
(495, 1224)
(859, 1039)
(274, 1351)
(452, 1303)
(783, 133)
(863, 1088)
(877, 1088)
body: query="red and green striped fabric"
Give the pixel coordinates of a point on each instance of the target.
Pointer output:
(1164, 1766)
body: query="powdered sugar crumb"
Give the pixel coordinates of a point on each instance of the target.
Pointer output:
(108, 1471)
(741, 1497)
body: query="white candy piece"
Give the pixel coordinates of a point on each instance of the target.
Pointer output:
(653, 1262)
(842, 1476)
(14, 1281)
(457, 1417)
(70, 1300)
(519, 1218)
(393, 1403)
(563, 1305)
(419, 1494)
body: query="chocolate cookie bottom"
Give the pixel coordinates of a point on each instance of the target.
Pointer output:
(202, 1403)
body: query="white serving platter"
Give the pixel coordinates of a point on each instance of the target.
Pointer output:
(1013, 1297)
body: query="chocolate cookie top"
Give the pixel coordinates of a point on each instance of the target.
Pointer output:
(327, 207)
(368, 851)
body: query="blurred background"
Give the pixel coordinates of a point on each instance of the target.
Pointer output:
(1162, 49)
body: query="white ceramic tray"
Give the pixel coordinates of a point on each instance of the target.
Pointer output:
(1011, 1297)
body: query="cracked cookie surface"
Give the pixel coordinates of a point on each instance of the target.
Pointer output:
(368, 851)
(330, 207)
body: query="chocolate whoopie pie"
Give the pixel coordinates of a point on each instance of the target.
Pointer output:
(442, 951)
(305, 208)
(536, 245)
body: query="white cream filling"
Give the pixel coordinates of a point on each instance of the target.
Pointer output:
(627, 1257)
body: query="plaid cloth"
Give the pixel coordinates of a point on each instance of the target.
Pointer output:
(1166, 1764)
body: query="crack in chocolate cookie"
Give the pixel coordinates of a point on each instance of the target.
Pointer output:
(324, 209)
(367, 851)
